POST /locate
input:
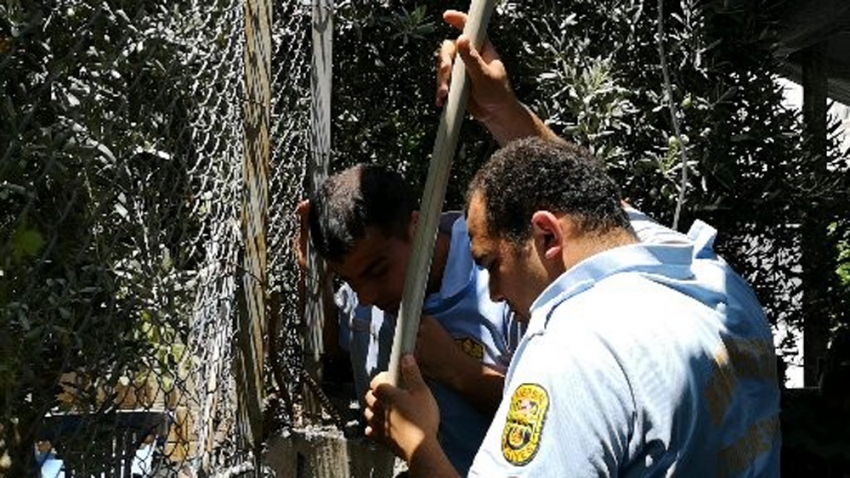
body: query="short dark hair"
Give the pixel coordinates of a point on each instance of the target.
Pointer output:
(532, 174)
(349, 202)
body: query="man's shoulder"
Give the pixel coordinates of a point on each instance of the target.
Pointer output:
(449, 220)
(627, 303)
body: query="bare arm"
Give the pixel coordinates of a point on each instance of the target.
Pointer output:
(441, 359)
(429, 460)
(330, 328)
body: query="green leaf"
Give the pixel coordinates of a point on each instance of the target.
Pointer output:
(26, 242)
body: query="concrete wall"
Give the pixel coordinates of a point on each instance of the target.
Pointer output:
(326, 453)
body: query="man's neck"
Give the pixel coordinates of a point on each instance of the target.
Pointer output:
(591, 245)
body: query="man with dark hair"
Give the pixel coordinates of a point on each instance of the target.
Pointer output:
(362, 221)
(592, 196)
(361, 197)
(641, 358)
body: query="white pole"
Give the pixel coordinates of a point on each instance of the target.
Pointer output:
(416, 277)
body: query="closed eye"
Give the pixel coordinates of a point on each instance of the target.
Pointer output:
(483, 262)
(377, 272)
(377, 269)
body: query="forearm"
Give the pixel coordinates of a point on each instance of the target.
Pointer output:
(330, 327)
(515, 121)
(479, 384)
(430, 461)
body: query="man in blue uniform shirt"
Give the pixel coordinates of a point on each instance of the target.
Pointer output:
(639, 359)
(367, 331)
(362, 222)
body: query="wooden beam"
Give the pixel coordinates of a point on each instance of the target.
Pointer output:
(251, 314)
(816, 258)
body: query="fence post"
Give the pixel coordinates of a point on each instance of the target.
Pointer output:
(255, 167)
(317, 171)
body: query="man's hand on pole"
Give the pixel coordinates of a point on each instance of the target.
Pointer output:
(403, 419)
(491, 99)
(491, 92)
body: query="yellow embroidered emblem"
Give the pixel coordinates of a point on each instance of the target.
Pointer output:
(471, 347)
(524, 423)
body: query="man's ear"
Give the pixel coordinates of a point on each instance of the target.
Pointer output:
(547, 234)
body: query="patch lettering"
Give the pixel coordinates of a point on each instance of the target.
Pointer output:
(524, 423)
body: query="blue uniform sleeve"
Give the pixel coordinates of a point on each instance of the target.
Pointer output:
(568, 411)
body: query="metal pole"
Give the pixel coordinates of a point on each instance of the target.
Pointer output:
(445, 145)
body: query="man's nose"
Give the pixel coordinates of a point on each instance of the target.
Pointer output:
(496, 294)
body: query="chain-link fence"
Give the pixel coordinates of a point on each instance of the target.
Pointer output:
(121, 148)
(122, 134)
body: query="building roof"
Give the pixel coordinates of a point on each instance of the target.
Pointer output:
(804, 23)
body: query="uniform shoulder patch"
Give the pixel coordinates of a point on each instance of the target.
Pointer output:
(524, 423)
(471, 347)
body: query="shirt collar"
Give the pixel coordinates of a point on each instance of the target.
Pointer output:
(671, 260)
(459, 264)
